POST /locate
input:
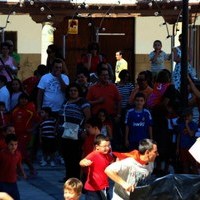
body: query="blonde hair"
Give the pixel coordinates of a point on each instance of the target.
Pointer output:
(74, 184)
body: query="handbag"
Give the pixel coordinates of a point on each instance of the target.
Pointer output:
(71, 130)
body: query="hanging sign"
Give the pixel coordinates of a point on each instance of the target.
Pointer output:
(72, 26)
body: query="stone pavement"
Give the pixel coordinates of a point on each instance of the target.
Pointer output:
(44, 186)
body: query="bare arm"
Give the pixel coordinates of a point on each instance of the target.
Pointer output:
(176, 57)
(62, 83)
(21, 170)
(87, 113)
(194, 88)
(117, 179)
(190, 132)
(85, 162)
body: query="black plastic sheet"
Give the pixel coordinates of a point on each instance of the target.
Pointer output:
(170, 187)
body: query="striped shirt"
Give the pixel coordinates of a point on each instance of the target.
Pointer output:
(125, 91)
(48, 128)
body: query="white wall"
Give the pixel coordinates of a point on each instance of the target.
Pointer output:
(149, 29)
(28, 33)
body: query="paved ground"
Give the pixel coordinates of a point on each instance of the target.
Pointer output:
(45, 185)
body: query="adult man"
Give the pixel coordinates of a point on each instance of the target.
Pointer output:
(120, 65)
(128, 172)
(4, 93)
(143, 87)
(51, 88)
(104, 95)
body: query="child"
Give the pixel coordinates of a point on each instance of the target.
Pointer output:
(9, 129)
(157, 57)
(186, 139)
(96, 185)
(93, 127)
(10, 161)
(138, 123)
(15, 91)
(72, 189)
(4, 116)
(48, 136)
(24, 117)
(106, 124)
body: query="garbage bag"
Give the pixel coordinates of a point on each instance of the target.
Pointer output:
(170, 187)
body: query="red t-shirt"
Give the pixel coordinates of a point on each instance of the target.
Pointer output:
(30, 83)
(3, 144)
(4, 119)
(110, 94)
(96, 178)
(23, 117)
(8, 165)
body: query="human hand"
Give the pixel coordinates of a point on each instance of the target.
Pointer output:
(128, 187)
(85, 162)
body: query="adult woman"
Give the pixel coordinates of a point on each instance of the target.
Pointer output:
(176, 75)
(53, 53)
(15, 90)
(76, 110)
(93, 58)
(7, 64)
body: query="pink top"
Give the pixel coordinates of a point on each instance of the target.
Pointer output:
(10, 62)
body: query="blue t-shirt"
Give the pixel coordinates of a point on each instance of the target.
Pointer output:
(138, 122)
(186, 141)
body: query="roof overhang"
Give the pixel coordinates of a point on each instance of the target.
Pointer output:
(52, 10)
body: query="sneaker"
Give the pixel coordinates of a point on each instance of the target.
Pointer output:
(52, 164)
(43, 163)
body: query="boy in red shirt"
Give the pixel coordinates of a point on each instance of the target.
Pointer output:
(10, 160)
(93, 128)
(97, 184)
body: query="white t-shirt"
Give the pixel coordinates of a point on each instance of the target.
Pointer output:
(132, 172)
(53, 97)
